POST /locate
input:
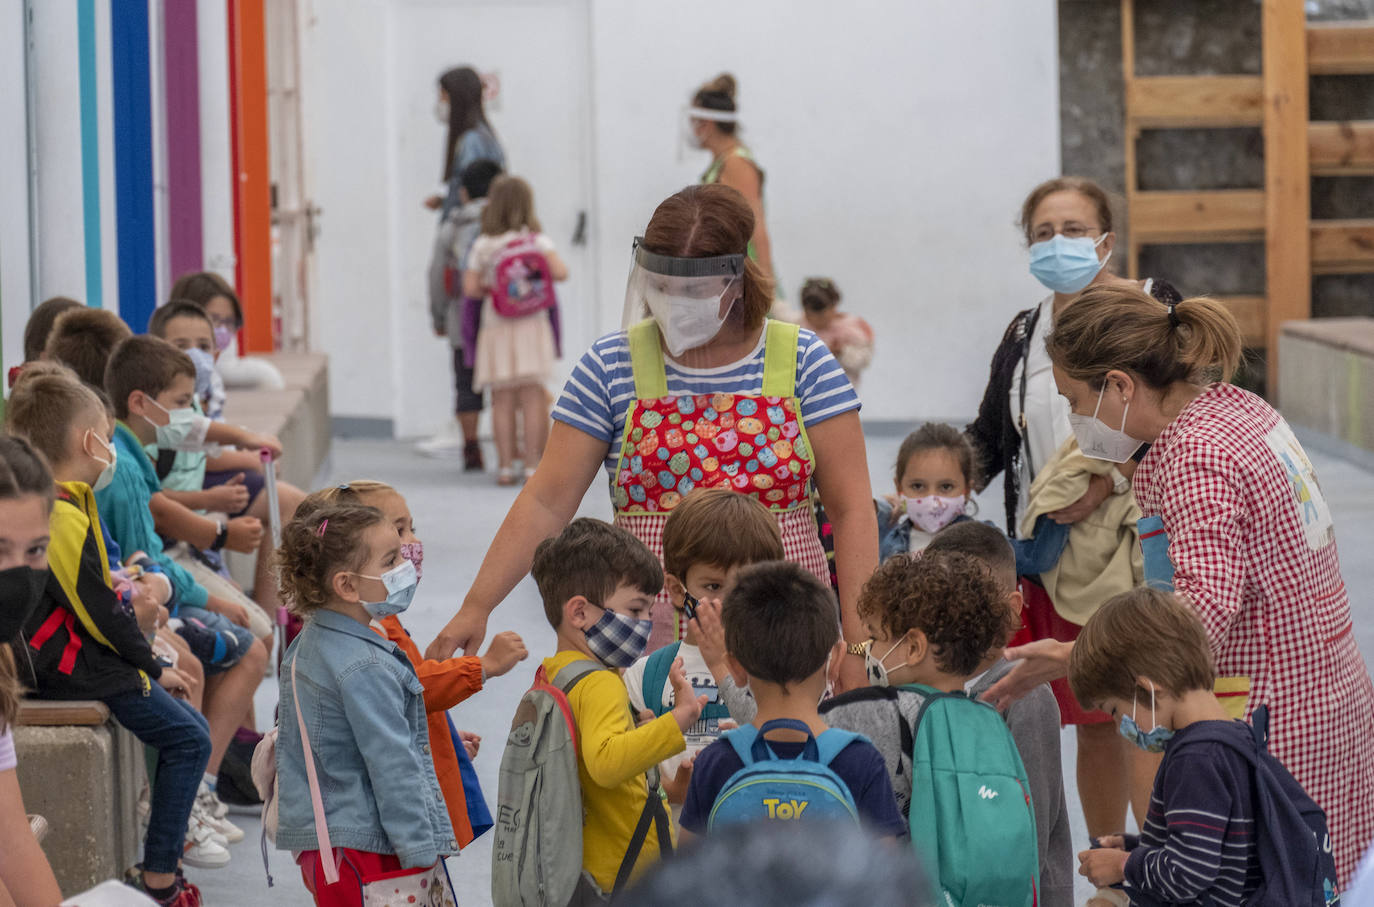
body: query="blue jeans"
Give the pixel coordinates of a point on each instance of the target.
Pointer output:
(182, 739)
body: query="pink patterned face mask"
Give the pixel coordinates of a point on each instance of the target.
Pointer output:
(933, 513)
(415, 553)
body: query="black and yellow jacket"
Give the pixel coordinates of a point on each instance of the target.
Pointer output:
(82, 642)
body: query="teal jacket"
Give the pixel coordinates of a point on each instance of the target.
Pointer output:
(124, 507)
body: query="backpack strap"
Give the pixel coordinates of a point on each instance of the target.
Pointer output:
(741, 740)
(832, 742)
(780, 358)
(166, 459)
(646, 360)
(653, 812)
(761, 750)
(656, 675)
(574, 672)
(326, 848)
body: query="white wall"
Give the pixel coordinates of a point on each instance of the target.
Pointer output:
(15, 280)
(898, 140)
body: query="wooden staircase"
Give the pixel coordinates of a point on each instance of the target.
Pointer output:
(1295, 150)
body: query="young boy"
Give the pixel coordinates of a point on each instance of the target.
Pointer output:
(148, 379)
(82, 339)
(1144, 658)
(37, 329)
(597, 582)
(84, 642)
(1033, 719)
(707, 539)
(782, 633)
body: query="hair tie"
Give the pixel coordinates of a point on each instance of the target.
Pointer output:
(1173, 316)
(324, 524)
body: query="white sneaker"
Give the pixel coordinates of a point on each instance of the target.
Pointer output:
(447, 444)
(200, 848)
(213, 813)
(199, 817)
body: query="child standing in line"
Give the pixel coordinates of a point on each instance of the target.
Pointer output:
(782, 633)
(358, 695)
(848, 337)
(598, 582)
(935, 474)
(708, 538)
(514, 354)
(447, 682)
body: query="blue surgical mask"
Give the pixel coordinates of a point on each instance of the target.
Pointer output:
(1151, 741)
(617, 640)
(205, 370)
(1066, 265)
(400, 582)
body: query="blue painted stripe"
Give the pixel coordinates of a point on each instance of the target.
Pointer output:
(90, 150)
(133, 140)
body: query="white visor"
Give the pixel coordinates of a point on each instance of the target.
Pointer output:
(690, 298)
(716, 116)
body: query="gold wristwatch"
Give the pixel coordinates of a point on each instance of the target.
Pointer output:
(858, 648)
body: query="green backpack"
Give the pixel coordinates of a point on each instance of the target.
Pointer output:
(972, 821)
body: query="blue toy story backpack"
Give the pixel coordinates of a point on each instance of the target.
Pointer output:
(772, 788)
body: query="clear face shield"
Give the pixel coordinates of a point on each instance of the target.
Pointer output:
(690, 298)
(691, 116)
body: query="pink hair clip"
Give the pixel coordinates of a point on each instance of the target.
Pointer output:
(324, 524)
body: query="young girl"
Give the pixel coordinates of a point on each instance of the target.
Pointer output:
(369, 760)
(514, 355)
(447, 682)
(848, 337)
(935, 474)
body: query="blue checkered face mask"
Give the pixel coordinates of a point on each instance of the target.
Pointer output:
(1151, 741)
(617, 640)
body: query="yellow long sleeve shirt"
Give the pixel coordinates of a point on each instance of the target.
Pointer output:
(612, 758)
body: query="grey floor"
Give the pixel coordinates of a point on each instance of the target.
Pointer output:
(456, 516)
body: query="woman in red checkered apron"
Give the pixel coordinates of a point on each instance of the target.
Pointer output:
(705, 392)
(1250, 538)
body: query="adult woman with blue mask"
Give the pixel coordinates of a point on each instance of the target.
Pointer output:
(1022, 426)
(700, 390)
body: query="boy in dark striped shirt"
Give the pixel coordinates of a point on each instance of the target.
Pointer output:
(1145, 659)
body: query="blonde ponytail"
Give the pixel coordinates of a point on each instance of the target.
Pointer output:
(1114, 327)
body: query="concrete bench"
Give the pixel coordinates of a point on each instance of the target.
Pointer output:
(298, 415)
(83, 773)
(1326, 378)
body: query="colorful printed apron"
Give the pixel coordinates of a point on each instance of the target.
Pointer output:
(753, 443)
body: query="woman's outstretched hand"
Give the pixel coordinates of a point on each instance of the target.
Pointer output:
(1035, 663)
(465, 631)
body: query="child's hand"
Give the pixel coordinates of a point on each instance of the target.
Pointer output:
(230, 610)
(505, 652)
(245, 534)
(711, 636)
(231, 497)
(174, 682)
(644, 716)
(688, 705)
(471, 743)
(676, 786)
(1103, 866)
(256, 442)
(894, 501)
(1112, 841)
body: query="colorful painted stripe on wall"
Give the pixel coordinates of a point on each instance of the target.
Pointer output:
(133, 162)
(90, 151)
(252, 183)
(185, 246)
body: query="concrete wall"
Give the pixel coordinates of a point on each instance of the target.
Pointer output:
(895, 165)
(1176, 37)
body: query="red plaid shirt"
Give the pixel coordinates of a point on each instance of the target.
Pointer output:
(1254, 552)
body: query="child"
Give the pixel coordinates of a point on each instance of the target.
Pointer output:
(214, 294)
(340, 567)
(446, 682)
(453, 241)
(782, 632)
(935, 474)
(37, 329)
(849, 337)
(514, 355)
(82, 339)
(1204, 837)
(84, 643)
(1033, 719)
(707, 540)
(148, 379)
(223, 481)
(598, 582)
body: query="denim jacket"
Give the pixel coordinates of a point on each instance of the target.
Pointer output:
(364, 709)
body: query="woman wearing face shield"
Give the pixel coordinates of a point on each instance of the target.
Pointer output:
(1250, 539)
(702, 393)
(1023, 423)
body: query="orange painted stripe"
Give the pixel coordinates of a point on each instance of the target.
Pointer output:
(252, 186)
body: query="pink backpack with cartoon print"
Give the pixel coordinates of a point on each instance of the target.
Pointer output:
(522, 284)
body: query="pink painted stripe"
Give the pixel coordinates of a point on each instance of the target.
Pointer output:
(186, 247)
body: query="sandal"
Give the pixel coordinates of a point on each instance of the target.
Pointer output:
(505, 476)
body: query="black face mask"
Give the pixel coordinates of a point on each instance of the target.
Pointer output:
(21, 589)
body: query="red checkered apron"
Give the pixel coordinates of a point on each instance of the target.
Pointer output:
(1254, 553)
(755, 444)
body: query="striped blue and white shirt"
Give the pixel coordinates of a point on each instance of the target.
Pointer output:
(601, 388)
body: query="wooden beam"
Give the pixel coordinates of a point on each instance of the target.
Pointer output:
(53, 712)
(1341, 48)
(1182, 102)
(1341, 149)
(1226, 215)
(1249, 311)
(1343, 246)
(1287, 177)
